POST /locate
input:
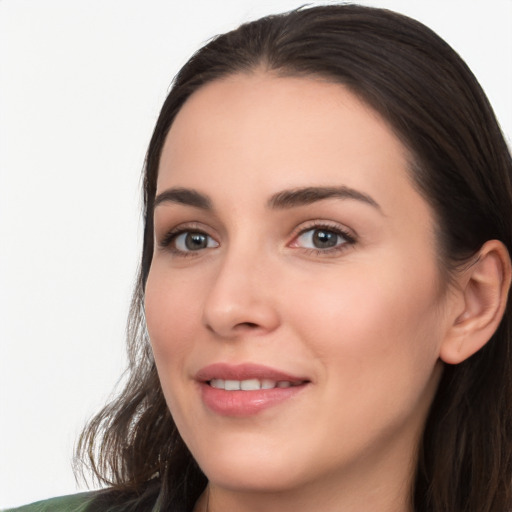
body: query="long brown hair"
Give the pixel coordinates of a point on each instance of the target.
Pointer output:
(462, 167)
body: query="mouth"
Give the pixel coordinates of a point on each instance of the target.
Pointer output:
(252, 384)
(247, 389)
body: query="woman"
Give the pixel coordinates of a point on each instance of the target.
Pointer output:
(321, 319)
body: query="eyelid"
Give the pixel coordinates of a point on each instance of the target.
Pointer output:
(325, 224)
(170, 235)
(349, 235)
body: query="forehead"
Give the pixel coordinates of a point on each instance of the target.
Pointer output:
(261, 133)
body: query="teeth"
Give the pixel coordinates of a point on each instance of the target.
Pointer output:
(217, 383)
(249, 384)
(267, 384)
(232, 385)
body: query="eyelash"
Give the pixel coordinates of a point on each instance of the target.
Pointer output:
(349, 238)
(170, 238)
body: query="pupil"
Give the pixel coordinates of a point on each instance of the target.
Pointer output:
(324, 239)
(195, 241)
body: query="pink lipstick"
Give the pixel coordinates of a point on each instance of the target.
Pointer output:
(246, 389)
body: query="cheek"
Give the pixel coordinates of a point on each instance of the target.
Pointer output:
(375, 324)
(171, 320)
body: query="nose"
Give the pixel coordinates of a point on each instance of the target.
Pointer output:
(241, 299)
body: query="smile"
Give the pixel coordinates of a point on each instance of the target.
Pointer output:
(246, 389)
(251, 384)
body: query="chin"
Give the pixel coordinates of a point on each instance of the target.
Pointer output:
(251, 467)
(252, 477)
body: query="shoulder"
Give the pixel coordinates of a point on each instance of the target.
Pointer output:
(72, 503)
(104, 500)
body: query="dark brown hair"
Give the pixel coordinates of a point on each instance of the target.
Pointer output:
(461, 165)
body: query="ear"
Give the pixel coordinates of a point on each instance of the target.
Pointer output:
(483, 287)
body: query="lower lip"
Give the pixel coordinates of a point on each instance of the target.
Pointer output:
(245, 403)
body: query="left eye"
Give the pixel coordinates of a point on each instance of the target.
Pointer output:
(193, 241)
(320, 238)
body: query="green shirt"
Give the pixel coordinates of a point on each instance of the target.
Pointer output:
(92, 501)
(73, 503)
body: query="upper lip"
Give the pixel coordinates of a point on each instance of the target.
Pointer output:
(244, 372)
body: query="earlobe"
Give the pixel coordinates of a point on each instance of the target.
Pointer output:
(484, 286)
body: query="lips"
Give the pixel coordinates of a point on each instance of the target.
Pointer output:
(247, 389)
(244, 372)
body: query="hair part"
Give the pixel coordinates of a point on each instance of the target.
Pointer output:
(462, 167)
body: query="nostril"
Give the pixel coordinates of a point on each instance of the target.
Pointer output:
(239, 328)
(248, 325)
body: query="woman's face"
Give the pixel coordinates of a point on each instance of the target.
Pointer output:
(293, 259)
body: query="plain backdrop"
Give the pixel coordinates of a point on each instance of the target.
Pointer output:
(81, 84)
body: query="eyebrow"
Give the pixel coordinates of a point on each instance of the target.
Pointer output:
(308, 195)
(282, 200)
(185, 196)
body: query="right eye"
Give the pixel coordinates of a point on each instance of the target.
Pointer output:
(191, 241)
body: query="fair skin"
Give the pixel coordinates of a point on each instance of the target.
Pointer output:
(341, 290)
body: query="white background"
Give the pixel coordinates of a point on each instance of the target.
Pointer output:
(81, 84)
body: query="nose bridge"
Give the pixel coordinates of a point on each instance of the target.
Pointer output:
(240, 296)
